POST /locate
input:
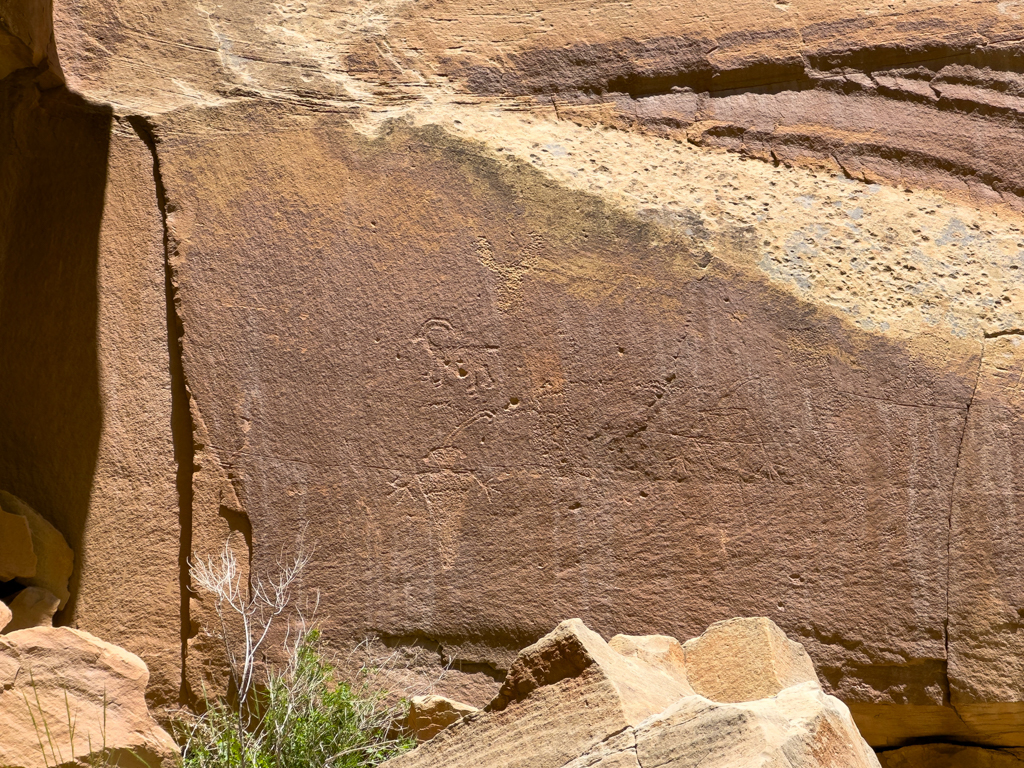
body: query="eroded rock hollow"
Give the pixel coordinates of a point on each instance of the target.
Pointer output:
(651, 313)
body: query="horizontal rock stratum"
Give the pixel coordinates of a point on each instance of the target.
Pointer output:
(654, 314)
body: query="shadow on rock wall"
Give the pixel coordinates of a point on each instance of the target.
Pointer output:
(53, 163)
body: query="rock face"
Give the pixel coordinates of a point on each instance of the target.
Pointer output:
(85, 397)
(26, 39)
(986, 666)
(573, 700)
(47, 673)
(470, 288)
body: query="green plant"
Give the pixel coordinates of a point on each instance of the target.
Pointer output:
(295, 714)
(299, 717)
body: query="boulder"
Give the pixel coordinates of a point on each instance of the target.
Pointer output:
(429, 715)
(801, 727)
(47, 673)
(573, 701)
(563, 695)
(745, 660)
(32, 607)
(17, 557)
(948, 756)
(5, 616)
(55, 559)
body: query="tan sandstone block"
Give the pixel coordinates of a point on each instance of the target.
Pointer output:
(745, 660)
(32, 607)
(5, 616)
(429, 715)
(55, 558)
(58, 669)
(802, 727)
(563, 696)
(17, 557)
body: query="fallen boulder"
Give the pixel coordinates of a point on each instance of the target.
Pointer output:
(745, 660)
(562, 696)
(32, 607)
(68, 697)
(5, 616)
(55, 559)
(800, 727)
(429, 715)
(572, 700)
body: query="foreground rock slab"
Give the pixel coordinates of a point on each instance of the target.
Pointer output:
(562, 696)
(573, 701)
(47, 672)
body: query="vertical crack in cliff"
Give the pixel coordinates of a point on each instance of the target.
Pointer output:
(181, 419)
(952, 504)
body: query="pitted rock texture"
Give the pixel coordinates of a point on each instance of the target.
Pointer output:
(476, 292)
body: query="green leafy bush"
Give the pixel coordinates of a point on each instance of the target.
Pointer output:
(293, 715)
(300, 717)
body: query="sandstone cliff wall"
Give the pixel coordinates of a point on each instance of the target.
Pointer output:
(475, 296)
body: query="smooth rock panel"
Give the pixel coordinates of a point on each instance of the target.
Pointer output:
(986, 667)
(499, 402)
